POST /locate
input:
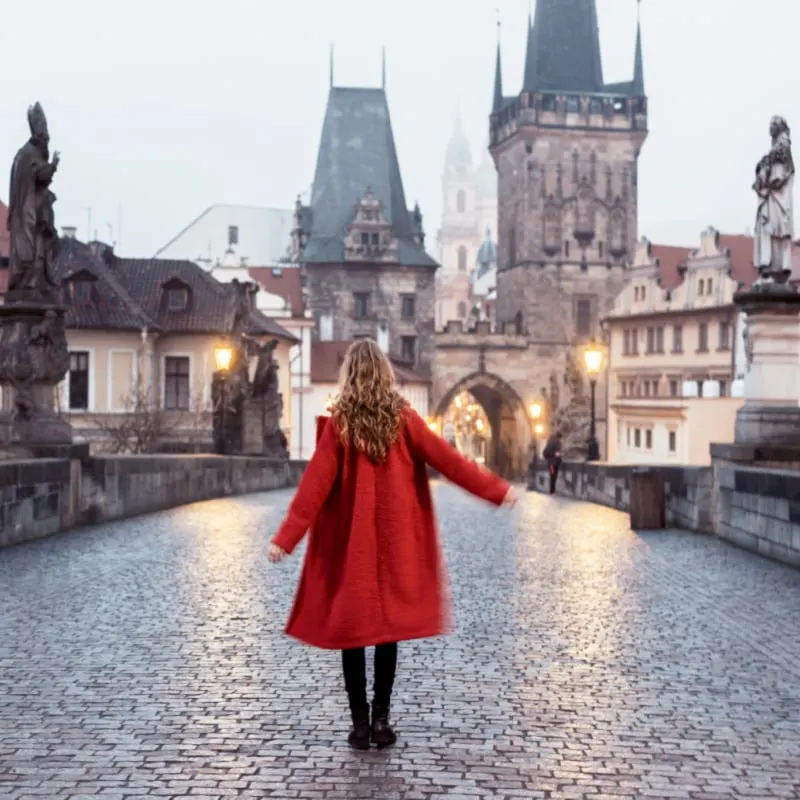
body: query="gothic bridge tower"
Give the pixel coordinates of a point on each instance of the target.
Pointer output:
(566, 149)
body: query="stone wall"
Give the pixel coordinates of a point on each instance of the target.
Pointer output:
(40, 497)
(688, 490)
(757, 500)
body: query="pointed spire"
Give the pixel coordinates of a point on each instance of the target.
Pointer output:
(564, 48)
(638, 65)
(497, 104)
(383, 68)
(331, 66)
(531, 64)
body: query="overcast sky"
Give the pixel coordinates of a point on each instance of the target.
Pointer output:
(165, 107)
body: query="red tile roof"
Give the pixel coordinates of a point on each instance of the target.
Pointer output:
(741, 250)
(327, 359)
(282, 281)
(669, 259)
(4, 243)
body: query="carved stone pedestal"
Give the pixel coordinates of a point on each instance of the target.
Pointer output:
(34, 359)
(770, 414)
(262, 433)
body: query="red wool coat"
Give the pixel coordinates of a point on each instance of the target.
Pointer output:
(374, 570)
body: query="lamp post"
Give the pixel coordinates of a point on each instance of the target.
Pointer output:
(222, 359)
(593, 359)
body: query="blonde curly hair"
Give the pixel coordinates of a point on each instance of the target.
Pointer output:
(368, 411)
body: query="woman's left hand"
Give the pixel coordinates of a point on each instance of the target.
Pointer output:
(276, 554)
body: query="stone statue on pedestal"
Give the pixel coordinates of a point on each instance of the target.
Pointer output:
(34, 357)
(266, 390)
(774, 230)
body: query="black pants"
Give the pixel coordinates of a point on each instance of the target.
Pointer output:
(554, 465)
(354, 663)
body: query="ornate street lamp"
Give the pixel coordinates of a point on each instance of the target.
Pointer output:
(223, 357)
(593, 359)
(535, 410)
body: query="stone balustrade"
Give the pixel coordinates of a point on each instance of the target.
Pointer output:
(43, 496)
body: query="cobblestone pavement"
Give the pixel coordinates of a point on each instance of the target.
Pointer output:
(145, 659)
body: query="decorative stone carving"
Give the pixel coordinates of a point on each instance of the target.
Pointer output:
(34, 357)
(552, 229)
(369, 235)
(774, 229)
(585, 214)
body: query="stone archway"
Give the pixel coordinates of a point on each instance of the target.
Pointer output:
(509, 449)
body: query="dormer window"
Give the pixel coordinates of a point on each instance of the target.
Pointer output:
(82, 291)
(177, 298)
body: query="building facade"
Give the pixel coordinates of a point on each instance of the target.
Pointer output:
(469, 218)
(676, 350)
(256, 234)
(142, 336)
(360, 248)
(566, 150)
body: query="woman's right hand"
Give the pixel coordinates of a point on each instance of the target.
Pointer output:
(510, 500)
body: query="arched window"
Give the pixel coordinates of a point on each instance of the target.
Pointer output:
(461, 201)
(462, 259)
(462, 310)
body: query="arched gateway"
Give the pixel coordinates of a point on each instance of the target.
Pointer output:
(510, 434)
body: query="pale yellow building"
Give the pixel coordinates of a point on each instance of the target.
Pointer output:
(142, 336)
(675, 352)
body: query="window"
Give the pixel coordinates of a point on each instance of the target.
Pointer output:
(365, 240)
(176, 299)
(626, 342)
(677, 338)
(376, 239)
(660, 339)
(462, 310)
(462, 259)
(628, 435)
(461, 201)
(673, 388)
(176, 383)
(566, 248)
(583, 318)
(233, 235)
(637, 437)
(79, 381)
(648, 439)
(651, 340)
(360, 305)
(708, 286)
(700, 286)
(623, 388)
(724, 336)
(642, 293)
(673, 441)
(635, 294)
(702, 337)
(635, 341)
(723, 388)
(82, 291)
(647, 388)
(599, 249)
(409, 306)
(655, 388)
(408, 347)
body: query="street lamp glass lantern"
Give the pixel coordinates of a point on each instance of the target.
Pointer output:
(539, 429)
(535, 410)
(223, 357)
(593, 358)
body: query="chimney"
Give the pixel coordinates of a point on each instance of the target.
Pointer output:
(68, 232)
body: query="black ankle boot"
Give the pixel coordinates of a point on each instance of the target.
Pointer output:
(383, 734)
(359, 736)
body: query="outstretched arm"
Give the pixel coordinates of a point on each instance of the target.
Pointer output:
(313, 490)
(449, 462)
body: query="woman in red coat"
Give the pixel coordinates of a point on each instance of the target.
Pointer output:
(373, 573)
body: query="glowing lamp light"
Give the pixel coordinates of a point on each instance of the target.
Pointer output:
(593, 358)
(536, 410)
(479, 424)
(458, 402)
(539, 429)
(223, 357)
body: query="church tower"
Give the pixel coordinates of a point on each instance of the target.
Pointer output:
(566, 149)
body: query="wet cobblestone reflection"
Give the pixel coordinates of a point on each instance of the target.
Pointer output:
(145, 659)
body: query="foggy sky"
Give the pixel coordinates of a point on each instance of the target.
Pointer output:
(163, 108)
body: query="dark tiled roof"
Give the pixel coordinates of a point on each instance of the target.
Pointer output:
(145, 279)
(564, 48)
(327, 359)
(111, 305)
(357, 153)
(282, 281)
(670, 259)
